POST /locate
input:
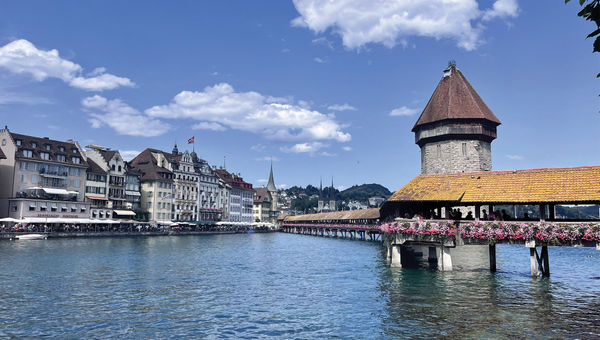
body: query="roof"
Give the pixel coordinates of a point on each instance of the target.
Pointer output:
(94, 168)
(107, 154)
(70, 149)
(2, 155)
(548, 185)
(147, 165)
(233, 180)
(262, 195)
(365, 214)
(271, 184)
(455, 98)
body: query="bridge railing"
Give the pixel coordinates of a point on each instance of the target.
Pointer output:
(554, 232)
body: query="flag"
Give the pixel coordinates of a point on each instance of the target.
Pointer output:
(191, 140)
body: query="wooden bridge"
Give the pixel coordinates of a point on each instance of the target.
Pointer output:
(432, 240)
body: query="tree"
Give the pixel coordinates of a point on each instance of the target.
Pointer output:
(591, 12)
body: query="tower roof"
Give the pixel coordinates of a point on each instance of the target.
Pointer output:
(455, 98)
(271, 184)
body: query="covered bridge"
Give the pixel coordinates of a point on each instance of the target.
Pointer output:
(545, 188)
(365, 216)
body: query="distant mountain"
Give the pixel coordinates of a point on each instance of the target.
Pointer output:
(364, 191)
(302, 201)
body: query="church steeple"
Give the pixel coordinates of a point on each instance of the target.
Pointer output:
(271, 184)
(175, 150)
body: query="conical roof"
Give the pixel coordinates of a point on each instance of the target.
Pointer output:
(271, 184)
(455, 98)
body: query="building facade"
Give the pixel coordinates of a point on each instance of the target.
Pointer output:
(156, 184)
(42, 178)
(240, 197)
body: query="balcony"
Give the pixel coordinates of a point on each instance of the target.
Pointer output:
(56, 173)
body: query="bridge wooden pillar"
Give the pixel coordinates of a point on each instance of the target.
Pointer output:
(477, 212)
(492, 252)
(540, 264)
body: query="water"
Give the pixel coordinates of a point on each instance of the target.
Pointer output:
(283, 286)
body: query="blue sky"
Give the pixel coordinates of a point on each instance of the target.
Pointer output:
(311, 83)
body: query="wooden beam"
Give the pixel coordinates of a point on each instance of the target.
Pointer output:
(492, 251)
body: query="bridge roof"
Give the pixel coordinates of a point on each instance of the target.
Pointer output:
(549, 185)
(364, 214)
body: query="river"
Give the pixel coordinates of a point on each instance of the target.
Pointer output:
(283, 286)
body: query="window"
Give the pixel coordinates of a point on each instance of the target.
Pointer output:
(18, 141)
(439, 150)
(112, 167)
(44, 155)
(32, 207)
(149, 205)
(3, 142)
(63, 208)
(76, 183)
(27, 153)
(47, 146)
(33, 144)
(149, 193)
(73, 208)
(76, 160)
(464, 149)
(61, 148)
(61, 158)
(23, 178)
(35, 179)
(119, 168)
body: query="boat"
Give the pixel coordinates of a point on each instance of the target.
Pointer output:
(31, 237)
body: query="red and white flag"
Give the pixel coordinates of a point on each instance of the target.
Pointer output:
(191, 140)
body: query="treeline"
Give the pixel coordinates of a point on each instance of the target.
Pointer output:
(305, 201)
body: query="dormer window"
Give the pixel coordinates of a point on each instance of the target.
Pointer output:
(76, 160)
(74, 150)
(61, 148)
(28, 153)
(61, 158)
(18, 141)
(47, 146)
(44, 155)
(33, 144)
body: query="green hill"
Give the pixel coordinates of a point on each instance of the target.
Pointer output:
(364, 191)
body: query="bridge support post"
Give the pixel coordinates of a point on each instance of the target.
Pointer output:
(444, 259)
(396, 257)
(492, 251)
(540, 264)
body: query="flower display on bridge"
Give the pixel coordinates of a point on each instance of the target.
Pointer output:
(499, 231)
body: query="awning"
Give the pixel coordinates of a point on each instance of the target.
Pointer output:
(132, 193)
(92, 197)
(124, 212)
(54, 191)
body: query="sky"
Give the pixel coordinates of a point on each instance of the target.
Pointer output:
(325, 89)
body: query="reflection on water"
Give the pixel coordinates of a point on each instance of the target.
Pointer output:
(285, 286)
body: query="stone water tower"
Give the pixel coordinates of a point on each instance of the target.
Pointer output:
(456, 128)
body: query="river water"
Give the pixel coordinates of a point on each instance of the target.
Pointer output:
(283, 286)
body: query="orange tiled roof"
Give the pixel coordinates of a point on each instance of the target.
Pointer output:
(365, 214)
(560, 185)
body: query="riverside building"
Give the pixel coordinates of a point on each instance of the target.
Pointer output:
(156, 185)
(240, 197)
(43, 180)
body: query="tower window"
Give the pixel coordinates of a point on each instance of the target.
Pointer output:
(464, 149)
(439, 150)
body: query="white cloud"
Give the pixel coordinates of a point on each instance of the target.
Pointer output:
(253, 112)
(515, 157)
(319, 60)
(502, 9)
(281, 186)
(342, 107)
(360, 22)
(262, 180)
(123, 118)
(208, 126)
(304, 147)
(258, 147)
(23, 98)
(323, 41)
(347, 148)
(403, 111)
(266, 159)
(129, 154)
(327, 154)
(22, 57)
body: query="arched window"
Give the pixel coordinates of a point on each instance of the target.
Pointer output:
(113, 167)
